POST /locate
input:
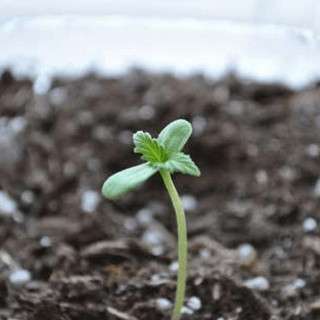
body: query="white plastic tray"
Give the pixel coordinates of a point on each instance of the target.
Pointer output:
(275, 40)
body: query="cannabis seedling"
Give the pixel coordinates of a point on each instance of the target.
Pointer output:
(162, 155)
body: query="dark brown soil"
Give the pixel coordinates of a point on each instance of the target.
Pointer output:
(258, 149)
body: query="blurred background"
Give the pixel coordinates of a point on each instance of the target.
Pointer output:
(273, 40)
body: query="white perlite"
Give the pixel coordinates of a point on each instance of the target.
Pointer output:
(8, 206)
(247, 254)
(144, 216)
(153, 237)
(313, 150)
(194, 303)
(17, 124)
(186, 310)
(89, 201)
(45, 242)
(299, 283)
(309, 225)
(163, 304)
(258, 283)
(174, 266)
(19, 277)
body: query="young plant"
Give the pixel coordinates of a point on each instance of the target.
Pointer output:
(163, 155)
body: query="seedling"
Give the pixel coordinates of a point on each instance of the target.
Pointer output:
(163, 155)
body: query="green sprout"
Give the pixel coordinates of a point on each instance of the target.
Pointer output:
(163, 155)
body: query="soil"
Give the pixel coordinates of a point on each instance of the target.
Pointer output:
(66, 253)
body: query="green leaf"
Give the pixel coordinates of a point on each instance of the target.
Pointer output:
(127, 180)
(149, 147)
(161, 153)
(181, 162)
(175, 135)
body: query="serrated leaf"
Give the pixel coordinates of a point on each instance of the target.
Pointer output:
(127, 180)
(181, 162)
(149, 148)
(175, 135)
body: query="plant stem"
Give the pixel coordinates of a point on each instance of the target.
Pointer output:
(182, 243)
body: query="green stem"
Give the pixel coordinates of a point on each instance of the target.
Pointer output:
(182, 243)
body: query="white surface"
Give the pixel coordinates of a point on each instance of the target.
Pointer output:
(298, 13)
(273, 40)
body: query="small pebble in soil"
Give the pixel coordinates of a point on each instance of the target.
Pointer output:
(262, 177)
(247, 255)
(27, 197)
(315, 306)
(8, 206)
(252, 150)
(85, 118)
(157, 250)
(189, 202)
(131, 224)
(69, 169)
(194, 303)
(93, 164)
(313, 150)
(174, 266)
(89, 201)
(199, 125)
(159, 279)
(316, 189)
(288, 173)
(125, 137)
(101, 133)
(235, 108)
(6, 261)
(146, 112)
(156, 207)
(19, 277)
(258, 283)
(163, 304)
(310, 224)
(11, 142)
(221, 94)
